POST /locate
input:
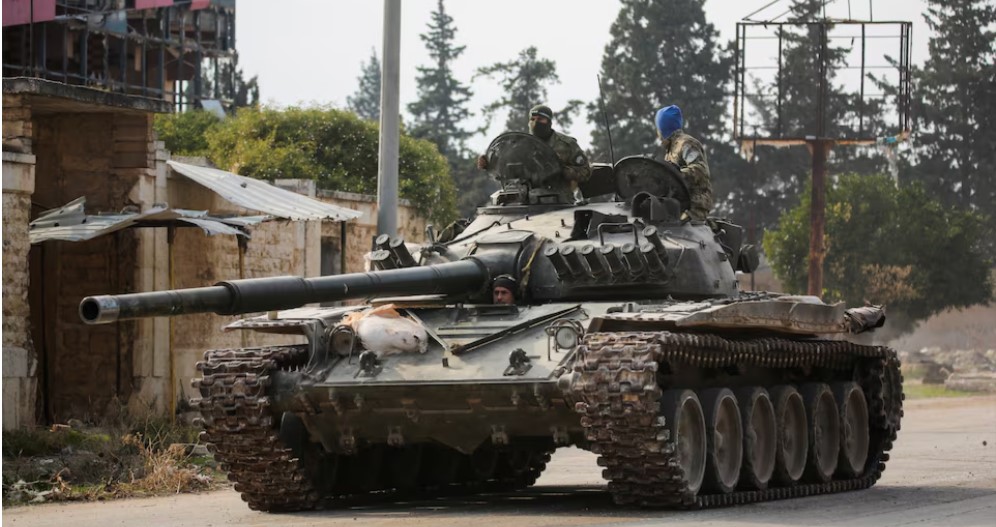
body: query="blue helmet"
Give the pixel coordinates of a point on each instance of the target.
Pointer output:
(669, 120)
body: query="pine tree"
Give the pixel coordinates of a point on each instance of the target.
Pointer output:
(440, 112)
(232, 86)
(441, 108)
(365, 102)
(955, 105)
(661, 52)
(665, 52)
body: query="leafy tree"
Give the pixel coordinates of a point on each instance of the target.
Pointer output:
(955, 105)
(886, 245)
(186, 133)
(335, 148)
(365, 102)
(524, 82)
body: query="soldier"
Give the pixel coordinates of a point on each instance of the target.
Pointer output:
(687, 153)
(503, 289)
(572, 159)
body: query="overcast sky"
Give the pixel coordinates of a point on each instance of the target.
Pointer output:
(311, 51)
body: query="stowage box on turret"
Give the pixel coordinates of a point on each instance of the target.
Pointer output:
(629, 337)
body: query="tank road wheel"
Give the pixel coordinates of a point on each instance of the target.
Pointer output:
(824, 431)
(441, 465)
(293, 433)
(320, 467)
(403, 465)
(686, 424)
(792, 437)
(521, 464)
(483, 463)
(725, 440)
(757, 415)
(854, 432)
(362, 471)
(517, 462)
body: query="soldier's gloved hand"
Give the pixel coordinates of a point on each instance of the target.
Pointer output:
(482, 162)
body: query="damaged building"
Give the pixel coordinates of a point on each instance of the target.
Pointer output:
(82, 83)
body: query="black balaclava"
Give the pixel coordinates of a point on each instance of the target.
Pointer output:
(541, 130)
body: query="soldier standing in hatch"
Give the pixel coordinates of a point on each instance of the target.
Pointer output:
(573, 162)
(687, 153)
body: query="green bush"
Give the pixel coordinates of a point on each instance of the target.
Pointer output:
(336, 149)
(887, 245)
(185, 133)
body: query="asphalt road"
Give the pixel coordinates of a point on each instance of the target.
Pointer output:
(943, 472)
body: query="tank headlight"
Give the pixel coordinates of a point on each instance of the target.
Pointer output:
(343, 340)
(566, 337)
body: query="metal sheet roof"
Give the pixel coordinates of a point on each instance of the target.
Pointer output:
(71, 223)
(254, 194)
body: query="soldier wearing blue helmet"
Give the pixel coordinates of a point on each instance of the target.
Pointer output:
(687, 153)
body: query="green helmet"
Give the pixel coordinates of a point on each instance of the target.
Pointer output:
(542, 110)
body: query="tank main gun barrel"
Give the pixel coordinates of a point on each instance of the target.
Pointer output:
(286, 292)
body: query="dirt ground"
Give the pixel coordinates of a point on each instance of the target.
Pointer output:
(943, 472)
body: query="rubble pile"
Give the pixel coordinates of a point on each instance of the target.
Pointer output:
(968, 370)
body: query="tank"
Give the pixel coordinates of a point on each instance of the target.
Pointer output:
(630, 337)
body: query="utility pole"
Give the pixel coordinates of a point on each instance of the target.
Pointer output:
(818, 134)
(819, 149)
(387, 167)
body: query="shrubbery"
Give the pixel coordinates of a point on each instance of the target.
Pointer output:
(333, 147)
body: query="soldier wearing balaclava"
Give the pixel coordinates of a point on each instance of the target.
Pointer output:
(573, 161)
(687, 153)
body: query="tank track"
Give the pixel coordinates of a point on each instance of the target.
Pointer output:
(619, 394)
(242, 430)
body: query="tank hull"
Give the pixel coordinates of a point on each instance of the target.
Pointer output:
(421, 425)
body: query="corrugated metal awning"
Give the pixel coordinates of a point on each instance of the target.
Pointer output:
(71, 223)
(254, 194)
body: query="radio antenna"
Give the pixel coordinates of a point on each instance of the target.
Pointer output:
(605, 117)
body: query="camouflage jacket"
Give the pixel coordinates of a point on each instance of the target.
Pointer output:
(572, 158)
(687, 152)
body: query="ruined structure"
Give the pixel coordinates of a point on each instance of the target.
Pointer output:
(82, 82)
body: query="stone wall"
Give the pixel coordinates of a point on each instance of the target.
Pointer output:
(17, 127)
(20, 362)
(276, 248)
(110, 159)
(361, 231)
